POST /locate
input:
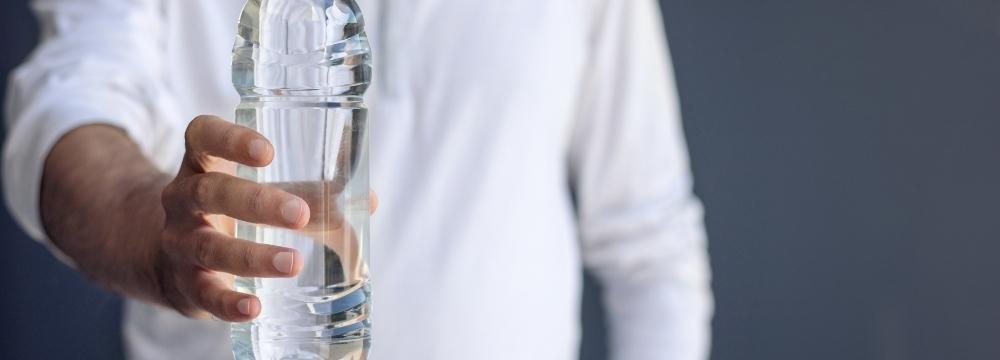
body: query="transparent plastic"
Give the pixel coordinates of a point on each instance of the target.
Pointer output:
(301, 68)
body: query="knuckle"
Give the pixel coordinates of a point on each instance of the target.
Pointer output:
(230, 137)
(218, 304)
(168, 241)
(168, 194)
(191, 306)
(248, 257)
(204, 251)
(172, 297)
(203, 298)
(185, 309)
(201, 120)
(257, 198)
(194, 128)
(202, 187)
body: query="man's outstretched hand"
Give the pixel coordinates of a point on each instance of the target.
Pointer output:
(163, 239)
(198, 249)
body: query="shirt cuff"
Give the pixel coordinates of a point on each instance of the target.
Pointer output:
(29, 142)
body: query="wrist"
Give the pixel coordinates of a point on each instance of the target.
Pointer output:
(140, 220)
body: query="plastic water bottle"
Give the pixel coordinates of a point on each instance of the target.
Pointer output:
(301, 68)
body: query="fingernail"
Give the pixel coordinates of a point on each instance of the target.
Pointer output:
(291, 210)
(244, 306)
(284, 261)
(258, 149)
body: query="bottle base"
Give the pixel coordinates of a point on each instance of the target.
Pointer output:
(342, 350)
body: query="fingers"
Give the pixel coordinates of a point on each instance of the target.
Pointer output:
(217, 193)
(210, 136)
(327, 222)
(214, 250)
(215, 296)
(322, 199)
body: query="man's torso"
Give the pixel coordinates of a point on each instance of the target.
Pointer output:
(474, 246)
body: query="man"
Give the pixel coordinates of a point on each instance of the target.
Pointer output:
(513, 141)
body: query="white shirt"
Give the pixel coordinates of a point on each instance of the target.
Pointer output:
(513, 141)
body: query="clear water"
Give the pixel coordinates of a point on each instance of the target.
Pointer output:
(301, 67)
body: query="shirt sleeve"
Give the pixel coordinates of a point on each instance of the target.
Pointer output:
(99, 61)
(641, 226)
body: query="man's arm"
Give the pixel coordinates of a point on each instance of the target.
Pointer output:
(98, 61)
(641, 226)
(100, 204)
(84, 114)
(90, 188)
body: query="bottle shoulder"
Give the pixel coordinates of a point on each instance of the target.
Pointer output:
(301, 47)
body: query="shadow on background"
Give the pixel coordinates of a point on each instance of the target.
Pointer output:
(847, 155)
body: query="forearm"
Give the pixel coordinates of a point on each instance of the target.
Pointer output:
(655, 270)
(665, 321)
(100, 205)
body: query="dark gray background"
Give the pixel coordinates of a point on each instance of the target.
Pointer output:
(846, 152)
